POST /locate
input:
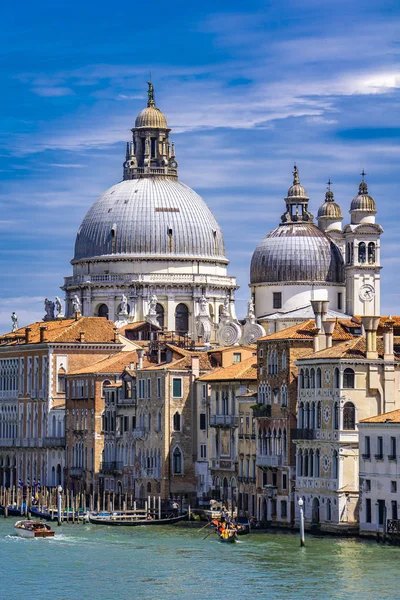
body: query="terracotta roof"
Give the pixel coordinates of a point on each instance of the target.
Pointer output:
(183, 364)
(114, 363)
(234, 348)
(95, 329)
(383, 319)
(390, 417)
(304, 331)
(244, 370)
(355, 348)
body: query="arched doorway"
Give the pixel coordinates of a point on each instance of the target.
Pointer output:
(102, 311)
(182, 319)
(160, 315)
(315, 512)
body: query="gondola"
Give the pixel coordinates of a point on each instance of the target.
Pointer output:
(227, 536)
(12, 511)
(132, 521)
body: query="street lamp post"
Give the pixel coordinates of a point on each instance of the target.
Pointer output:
(59, 490)
(302, 536)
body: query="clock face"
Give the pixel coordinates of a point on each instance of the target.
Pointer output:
(367, 293)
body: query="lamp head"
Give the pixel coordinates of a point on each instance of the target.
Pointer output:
(301, 502)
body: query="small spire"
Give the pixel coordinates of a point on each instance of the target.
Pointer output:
(329, 197)
(127, 151)
(363, 188)
(150, 94)
(296, 179)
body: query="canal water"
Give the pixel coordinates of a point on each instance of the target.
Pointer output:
(88, 562)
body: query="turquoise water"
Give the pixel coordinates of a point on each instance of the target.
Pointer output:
(99, 563)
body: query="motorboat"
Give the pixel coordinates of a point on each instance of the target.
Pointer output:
(33, 529)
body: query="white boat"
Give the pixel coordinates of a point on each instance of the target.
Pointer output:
(33, 529)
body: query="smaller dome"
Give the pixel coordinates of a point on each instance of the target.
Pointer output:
(329, 209)
(151, 116)
(363, 201)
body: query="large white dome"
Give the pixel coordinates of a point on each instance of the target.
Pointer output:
(150, 217)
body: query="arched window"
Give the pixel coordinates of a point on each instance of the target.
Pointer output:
(318, 381)
(319, 415)
(336, 416)
(284, 360)
(306, 379)
(177, 421)
(348, 378)
(371, 253)
(312, 378)
(160, 314)
(300, 462)
(336, 381)
(335, 465)
(311, 463)
(362, 254)
(328, 510)
(301, 379)
(102, 311)
(177, 461)
(182, 318)
(149, 488)
(305, 463)
(316, 464)
(349, 416)
(348, 255)
(301, 416)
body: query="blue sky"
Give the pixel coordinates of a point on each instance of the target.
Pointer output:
(248, 88)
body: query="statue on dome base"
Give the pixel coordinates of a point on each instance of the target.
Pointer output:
(49, 308)
(76, 305)
(123, 315)
(14, 321)
(203, 321)
(251, 330)
(59, 308)
(151, 316)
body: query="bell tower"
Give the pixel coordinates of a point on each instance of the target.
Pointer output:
(363, 266)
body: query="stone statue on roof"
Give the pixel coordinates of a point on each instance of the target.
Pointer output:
(124, 305)
(150, 94)
(14, 320)
(49, 308)
(76, 304)
(59, 308)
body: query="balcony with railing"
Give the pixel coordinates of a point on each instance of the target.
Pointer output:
(305, 434)
(54, 442)
(224, 421)
(262, 411)
(111, 467)
(76, 471)
(270, 460)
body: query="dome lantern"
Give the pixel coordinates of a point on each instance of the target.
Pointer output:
(296, 203)
(329, 213)
(150, 153)
(363, 207)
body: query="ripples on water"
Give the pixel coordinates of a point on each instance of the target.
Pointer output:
(99, 563)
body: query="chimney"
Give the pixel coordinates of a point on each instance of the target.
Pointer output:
(28, 338)
(328, 326)
(82, 337)
(195, 366)
(140, 357)
(78, 315)
(320, 308)
(132, 366)
(315, 334)
(43, 331)
(116, 336)
(388, 339)
(370, 325)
